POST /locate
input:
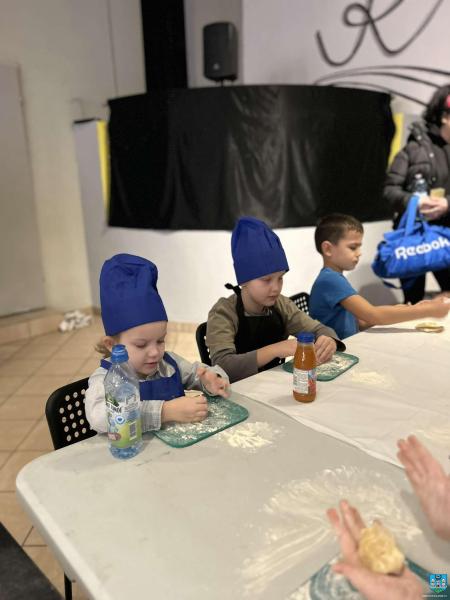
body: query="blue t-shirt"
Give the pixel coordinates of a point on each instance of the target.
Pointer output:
(327, 292)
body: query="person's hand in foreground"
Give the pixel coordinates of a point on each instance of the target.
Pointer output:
(430, 483)
(374, 586)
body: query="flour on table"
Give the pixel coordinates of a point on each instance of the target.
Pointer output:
(250, 436)
(380, 380)
(439, 435)
(300, 524)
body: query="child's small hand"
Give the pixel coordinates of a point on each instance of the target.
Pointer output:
(325, 348)
(213, 383)
(186, 409)
(287, 348)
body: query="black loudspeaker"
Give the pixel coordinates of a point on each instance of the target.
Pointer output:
(220, 51)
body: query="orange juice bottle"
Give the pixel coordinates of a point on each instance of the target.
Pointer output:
(305, 368)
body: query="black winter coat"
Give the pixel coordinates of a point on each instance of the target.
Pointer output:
(425, 153)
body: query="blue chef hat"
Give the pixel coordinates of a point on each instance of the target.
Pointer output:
(128, 293)
(256, 250)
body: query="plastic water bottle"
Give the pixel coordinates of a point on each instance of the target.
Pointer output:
(123, 406)
(420, 186)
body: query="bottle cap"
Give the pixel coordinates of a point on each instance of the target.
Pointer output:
(119, 354)
(305, 338)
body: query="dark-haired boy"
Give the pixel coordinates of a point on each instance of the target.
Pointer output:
(334, 302)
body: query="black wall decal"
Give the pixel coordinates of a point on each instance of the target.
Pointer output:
(338, 77)
(368, 21)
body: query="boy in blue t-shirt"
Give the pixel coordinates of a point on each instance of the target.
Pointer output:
(335, 302)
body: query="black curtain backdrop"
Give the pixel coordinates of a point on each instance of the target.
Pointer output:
(201, 158)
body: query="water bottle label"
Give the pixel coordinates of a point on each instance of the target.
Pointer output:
(124, 423)
(305, 381)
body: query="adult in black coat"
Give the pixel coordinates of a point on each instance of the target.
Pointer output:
(427, 153)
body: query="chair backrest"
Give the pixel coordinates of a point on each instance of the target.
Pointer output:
(301, 301)
(66, 416)
(203, 350)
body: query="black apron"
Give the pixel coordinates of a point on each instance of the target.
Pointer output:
(258, 331)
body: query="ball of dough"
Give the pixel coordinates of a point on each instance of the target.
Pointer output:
(378, 550)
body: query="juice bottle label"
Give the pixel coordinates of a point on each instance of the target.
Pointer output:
(124, 424)
(305, 381)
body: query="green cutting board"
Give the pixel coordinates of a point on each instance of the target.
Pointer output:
(340, 363)
(222, 413)
(326, 584)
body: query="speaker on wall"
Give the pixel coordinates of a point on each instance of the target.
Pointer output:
(220, 51)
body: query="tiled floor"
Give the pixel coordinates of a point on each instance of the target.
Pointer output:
(29, 371)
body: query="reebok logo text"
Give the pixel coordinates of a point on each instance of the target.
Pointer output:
(405, 251)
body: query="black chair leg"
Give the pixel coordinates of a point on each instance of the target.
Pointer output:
(67, 588)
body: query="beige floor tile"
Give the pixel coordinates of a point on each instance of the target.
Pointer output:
(13, 332)
(186, 346)
(23, 407)
(38, 350)
(10, 384)
(8, 350)
(72, 351)
(13, 465)
(4, 457)
(19, 366)
(34, 538)
(12, 433)
(55, 338)
(13, 517)
(88, 334)
(92, 361)
(38, 439)
(42, 384)
(61, 366)
(44, 325)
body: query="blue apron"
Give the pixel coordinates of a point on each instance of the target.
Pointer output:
(164, 388)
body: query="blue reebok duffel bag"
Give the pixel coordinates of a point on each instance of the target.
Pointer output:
(414, 248)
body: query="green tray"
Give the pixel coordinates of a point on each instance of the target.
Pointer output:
(340, 363)
(326, 584)
(221, 414)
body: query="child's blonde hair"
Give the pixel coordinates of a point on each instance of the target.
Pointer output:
(101, 348)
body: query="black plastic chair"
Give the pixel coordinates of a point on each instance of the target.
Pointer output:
(301, 301)
(203, 350)
(66, 419)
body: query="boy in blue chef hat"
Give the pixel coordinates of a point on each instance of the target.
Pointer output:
(248, 331)
(133, 314)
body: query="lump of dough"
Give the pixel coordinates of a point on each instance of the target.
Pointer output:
(378, 550)
(430, 326)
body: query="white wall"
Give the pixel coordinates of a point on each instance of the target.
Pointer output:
(65, 54)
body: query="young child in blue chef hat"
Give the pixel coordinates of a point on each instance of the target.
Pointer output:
(248, 331)
(133, 314)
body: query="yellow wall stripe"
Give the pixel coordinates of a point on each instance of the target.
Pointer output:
(103, 150)
(399, 121)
